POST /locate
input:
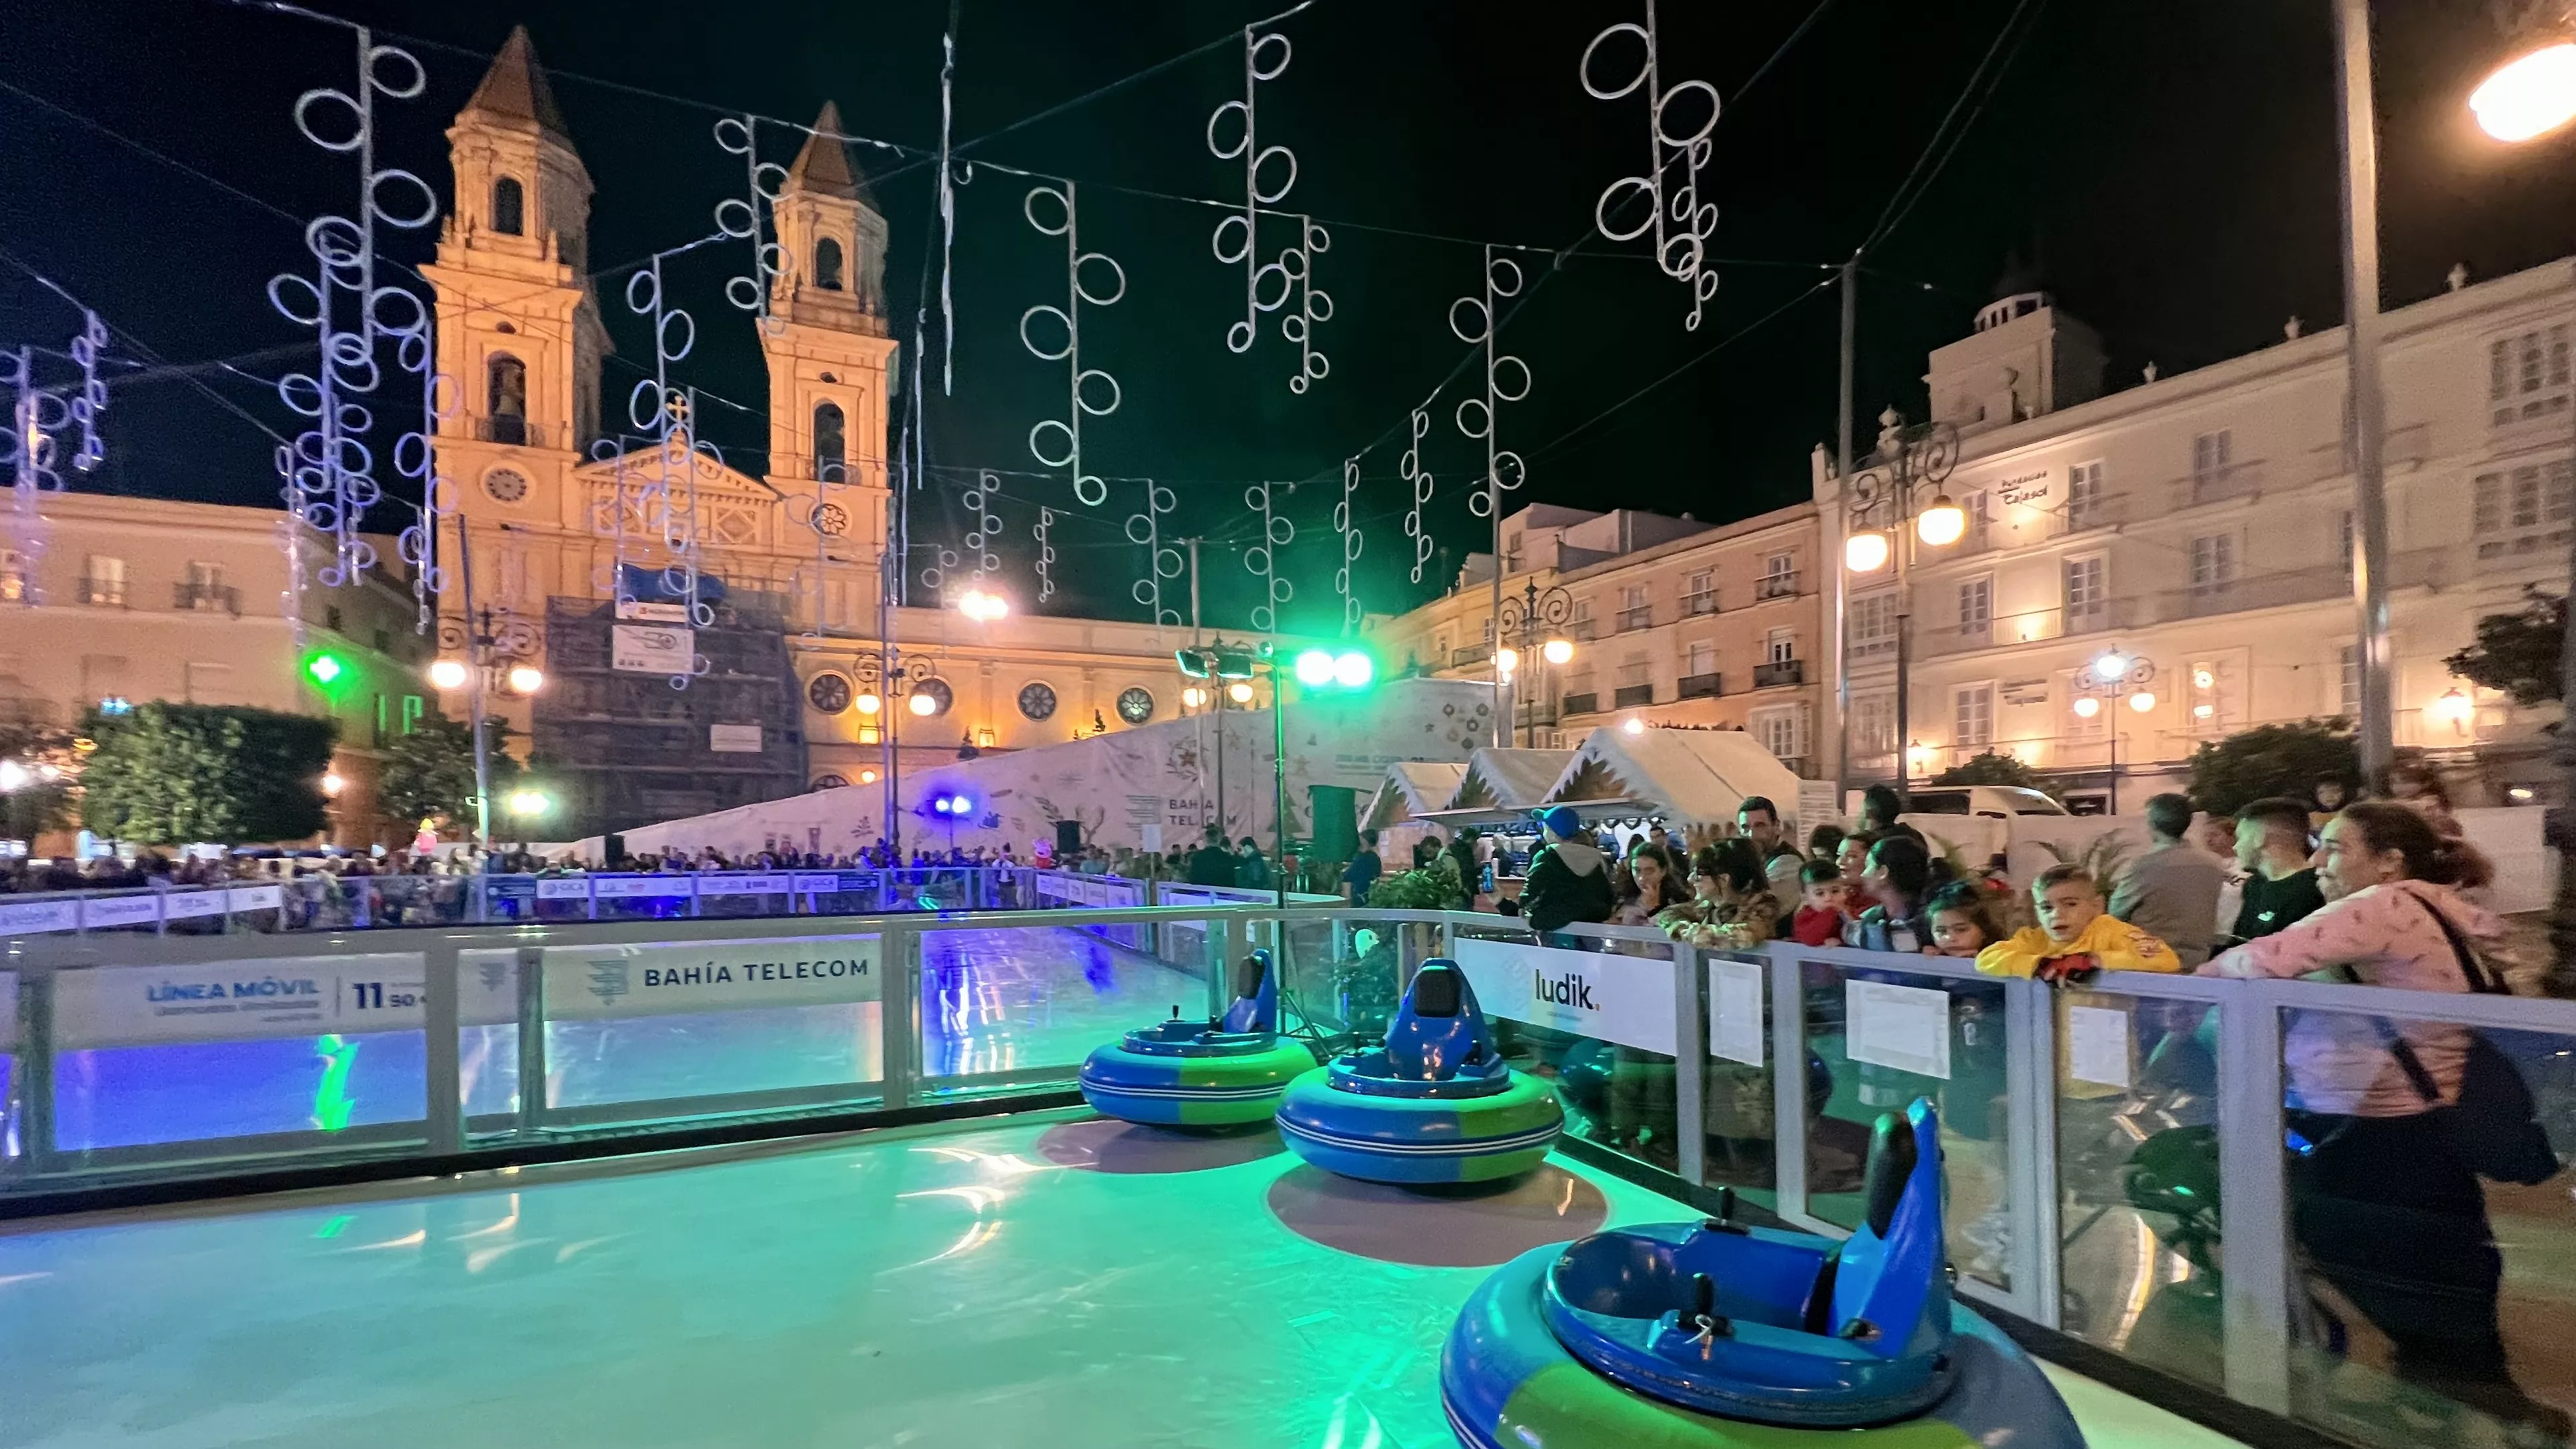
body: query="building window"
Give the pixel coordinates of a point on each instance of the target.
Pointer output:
(103, 581)
(1782, 731)
(831, 447)
(1873, 726)
(2088, 599)
(2213, 563)
(827, 264)
(2527, 375)
(505, 398)
(2348, 681)
(2083, 495)
(1977, 609)
(1699, 593)
(2521, 510)
(1634, 670)
(1781, 647)
(1636, 611)
(1699, 669)
(1974, 715)
(509, 207)
(1580, 624)
(1981, 517)
(2210, 455)
(1873, 625)
(1779, 577)
(2216, 706)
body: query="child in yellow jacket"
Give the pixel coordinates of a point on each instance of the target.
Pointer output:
(2075, 936)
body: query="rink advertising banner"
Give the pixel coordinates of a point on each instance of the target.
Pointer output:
(1623, 999)
(590, 982)
(256, 1000)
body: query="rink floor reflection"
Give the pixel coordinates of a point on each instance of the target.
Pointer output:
(984, 1284)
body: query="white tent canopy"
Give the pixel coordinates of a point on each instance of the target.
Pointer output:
(1411, 788)
(1501, 782)
(1689, 777)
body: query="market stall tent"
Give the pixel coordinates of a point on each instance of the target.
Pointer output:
(1687, 777)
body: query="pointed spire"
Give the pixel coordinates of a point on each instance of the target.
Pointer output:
(824, 166)
(514, 89)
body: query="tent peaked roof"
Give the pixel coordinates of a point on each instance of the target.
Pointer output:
(1413, 787)
(515, 89)
(1502, 778)
(824, 165)
(1691, 777)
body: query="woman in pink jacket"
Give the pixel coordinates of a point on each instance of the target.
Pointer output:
(2384, 1208)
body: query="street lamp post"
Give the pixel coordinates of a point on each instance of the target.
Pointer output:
(1907, 461)
(1523, 620)
(499, 652)
(884, 679)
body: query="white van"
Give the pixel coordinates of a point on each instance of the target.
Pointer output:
(1995, 802)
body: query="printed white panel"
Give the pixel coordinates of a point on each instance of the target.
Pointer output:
(827, 882)
(558, 889)
(1735, 1030)
(747, 885)
(258, 898)
(2097, 1045)
(647, 886)
(27, 918)
(101, 912)
(188, 905)
(1623, 999)
(733, 739)
(1905, 1027)
(589, 982)
(248, 1000)
(651, 649)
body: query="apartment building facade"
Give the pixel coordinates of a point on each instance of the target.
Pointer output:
(1673, 622)
(2170, 564)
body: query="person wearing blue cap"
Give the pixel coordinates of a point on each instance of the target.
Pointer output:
(1569, 879)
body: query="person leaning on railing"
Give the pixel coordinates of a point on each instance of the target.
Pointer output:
(2381, 1199)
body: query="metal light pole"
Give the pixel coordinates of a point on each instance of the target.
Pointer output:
(492, 644)
(1908, 459)
(1842, 580)
(1521, 619)
(2358, 135)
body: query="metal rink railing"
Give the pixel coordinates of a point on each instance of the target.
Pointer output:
(2121, 1161)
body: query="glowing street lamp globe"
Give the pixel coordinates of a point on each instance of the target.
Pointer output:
(1942, 524)
(2086, 706)
(2111, 666)
(1507, 661)
(2143, 700)
(2529, 96)
(526, 679)
(1314, 668)
(1239, 692)
(922, 704)
(448, 673)
(870, 704)
(1557, 651)
(1865, 553)
(1353, 670)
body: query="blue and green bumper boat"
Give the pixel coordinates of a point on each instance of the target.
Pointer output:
(1220, 1073)
(1435, 1104)
(1713, 1335)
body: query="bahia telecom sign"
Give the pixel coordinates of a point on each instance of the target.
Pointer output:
(1622, 999)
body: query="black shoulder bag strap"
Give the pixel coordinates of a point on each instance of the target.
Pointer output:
(2480, 979)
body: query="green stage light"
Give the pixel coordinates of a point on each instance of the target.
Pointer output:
(324, 669)
(1352, 671)
(1314, 668)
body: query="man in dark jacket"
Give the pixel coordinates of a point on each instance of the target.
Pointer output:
(1212, 864)
(1569, 880)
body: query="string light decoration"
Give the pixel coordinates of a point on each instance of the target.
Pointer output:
(1161, 562)
(1680, 222)
(988, 524)
(1088, 490)
(1346, 523)
(1295, 270)
(750, 216)
(1046, 554)
(1263, 557)
(329, 468)
(1235, 247)
(1507, 379)
(39, 419)
(668, 498)
(1419, 479)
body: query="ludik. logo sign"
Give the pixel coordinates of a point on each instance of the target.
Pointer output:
(1569, 989)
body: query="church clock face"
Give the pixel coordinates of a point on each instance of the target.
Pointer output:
(829, 693)
(1136, 706)
(506, 485)
(831, 519)
(1037, 701)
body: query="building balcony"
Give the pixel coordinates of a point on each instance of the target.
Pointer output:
(1582, 630)
(206, 598)
(102, 593)
(1700, 686)
(1776, 586)
(1695, 605)
(1579, 704)
(1780, 674)
(1629, 696)
(1643, 618)
(2219, 485)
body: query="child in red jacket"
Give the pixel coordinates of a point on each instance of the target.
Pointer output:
(1821, 895)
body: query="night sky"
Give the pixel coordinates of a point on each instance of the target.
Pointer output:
(2166, 169)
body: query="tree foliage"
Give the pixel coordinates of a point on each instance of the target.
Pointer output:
(172, 773)
(2274, 759)
(2518, 653)
(429, 773)
(1992, 768)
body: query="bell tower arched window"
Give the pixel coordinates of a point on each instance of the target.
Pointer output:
(509, 207)
(827, 265)
(506, 400)
(831, 452)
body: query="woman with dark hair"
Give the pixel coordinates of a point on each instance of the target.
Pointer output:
(2379, 1196)
(1897, 877)
(1653, 884)
(1731, 904)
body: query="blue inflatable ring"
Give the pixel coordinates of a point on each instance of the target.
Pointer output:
(1217, 1073)
(1434, 1105)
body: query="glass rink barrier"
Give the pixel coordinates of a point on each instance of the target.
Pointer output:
(2220, 1183)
